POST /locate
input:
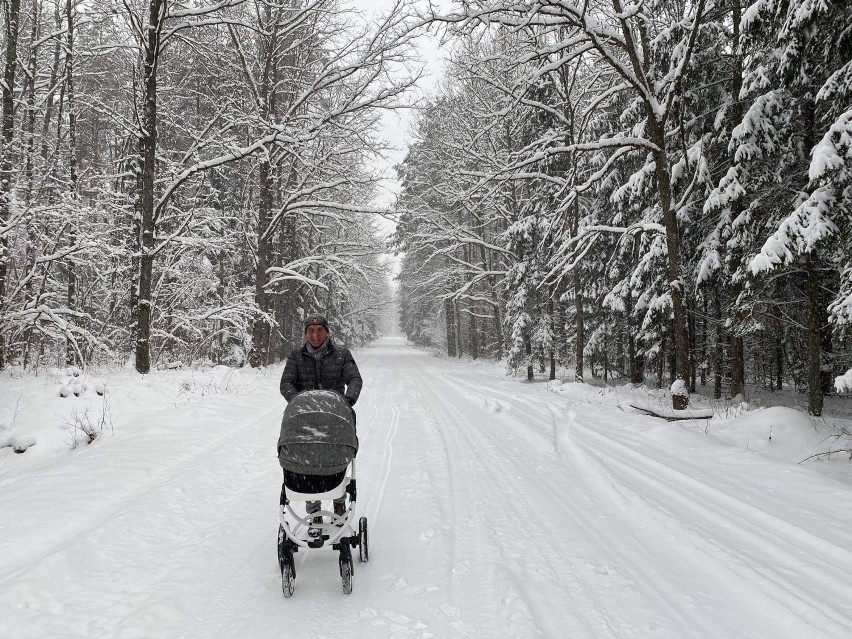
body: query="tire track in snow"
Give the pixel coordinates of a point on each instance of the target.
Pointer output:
(145, 558)
(377, 496)
(600, 480)
(609, 530)
(756, 534)
(515, 525)
(155, 484)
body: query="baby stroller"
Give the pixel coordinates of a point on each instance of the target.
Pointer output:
(316, 449)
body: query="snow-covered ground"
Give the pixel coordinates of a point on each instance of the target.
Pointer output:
(496, 508)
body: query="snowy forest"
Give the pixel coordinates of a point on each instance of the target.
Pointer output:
(645, 190)
(184, 181)
(650, 190)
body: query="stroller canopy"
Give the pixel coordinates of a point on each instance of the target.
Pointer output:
(317, 434)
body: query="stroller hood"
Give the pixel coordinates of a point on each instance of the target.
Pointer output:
(317, 434)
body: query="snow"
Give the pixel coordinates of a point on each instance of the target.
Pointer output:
(843, 383)
(497, 508)
(809, 224)
(679, 388)
(834, 151)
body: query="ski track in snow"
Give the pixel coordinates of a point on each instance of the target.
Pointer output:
(496, 509)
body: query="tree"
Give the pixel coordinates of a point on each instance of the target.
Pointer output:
(12, 11)
(797, 81)
(651, 68)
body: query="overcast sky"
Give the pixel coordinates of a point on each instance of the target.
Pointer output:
(395, 128)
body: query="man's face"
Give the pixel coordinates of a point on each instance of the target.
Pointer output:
(316, 335)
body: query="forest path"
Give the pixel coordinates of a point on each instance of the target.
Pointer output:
(496, 509)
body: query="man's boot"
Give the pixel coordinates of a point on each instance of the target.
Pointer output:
(340, 511)
(315, 530)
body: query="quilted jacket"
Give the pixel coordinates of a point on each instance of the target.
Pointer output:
(335, 371)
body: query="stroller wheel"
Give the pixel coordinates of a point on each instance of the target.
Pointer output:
(346, 568)
(363, 548)
(287, 565)
(288, 579)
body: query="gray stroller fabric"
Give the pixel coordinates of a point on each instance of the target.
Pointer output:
(317, 434)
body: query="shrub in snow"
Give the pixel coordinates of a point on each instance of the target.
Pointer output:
(100, 388)
(64, 390)
(83, 430)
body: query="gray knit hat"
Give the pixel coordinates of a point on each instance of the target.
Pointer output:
(315, 320)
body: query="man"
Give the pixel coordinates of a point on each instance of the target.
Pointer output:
(320, 365)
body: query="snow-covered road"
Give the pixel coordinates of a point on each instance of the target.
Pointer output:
(496, 509)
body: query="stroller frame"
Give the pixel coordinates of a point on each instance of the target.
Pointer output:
(337, 532)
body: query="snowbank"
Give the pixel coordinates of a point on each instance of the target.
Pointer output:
(64, 409)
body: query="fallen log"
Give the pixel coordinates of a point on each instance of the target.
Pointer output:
(674, 415)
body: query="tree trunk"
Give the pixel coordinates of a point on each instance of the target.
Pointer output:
(259, 355)
(29, 119)
(826, 336)
(634, 361)
(29, 171)
(815, 395)
(260, 326)
(7, 129)
(458, 329)
(737, 346)
(552, 337)
(71, 352)
(148, 148)
(495, 304)
(718, 352)
(474, 336)
(219, 351)
(291, 328)
(136, 235)
(579, 317)
(693, 348)
(737, 366)
(450, 313)
(661, 168)
(276, 341)
(813, 284)
(473, 327)
(498, 327)
(673, 374)
(703, 368)
(54, 74)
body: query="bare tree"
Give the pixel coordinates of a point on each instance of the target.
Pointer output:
(11, 11)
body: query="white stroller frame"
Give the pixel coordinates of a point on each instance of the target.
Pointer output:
(337, 533)
(332, 531)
